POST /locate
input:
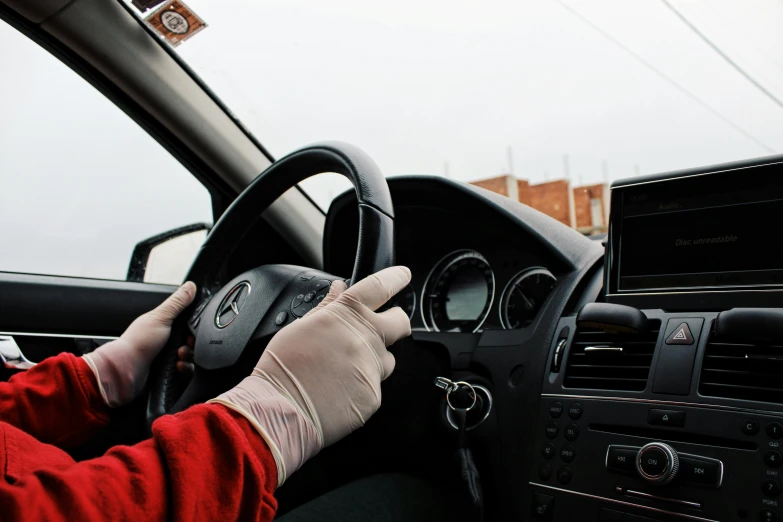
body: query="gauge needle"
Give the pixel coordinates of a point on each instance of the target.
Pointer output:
(528, 303)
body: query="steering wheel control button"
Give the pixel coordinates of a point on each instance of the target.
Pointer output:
(750, 427)
(621, 458)
(545, 472)
(571, 432)
(772, 459)
(555, 409)
(309, 296)
(567, 453)
(548, 451)
(771, 488)
(768, 515)
(775, 430)
(302, 309)
(681, 335)
(281, 318)
(299, 299)
(657, 463)
(673, 418)
(705, 472)
(575, 411)
(564, 475)
(542, 507)
(317, 286)
(306, 278)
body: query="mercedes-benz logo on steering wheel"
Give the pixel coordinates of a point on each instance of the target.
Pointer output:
(231, 304)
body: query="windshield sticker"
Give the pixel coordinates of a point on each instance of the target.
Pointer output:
(175, 22)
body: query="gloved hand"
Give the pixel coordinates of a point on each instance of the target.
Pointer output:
(123, 365)
(320, 377)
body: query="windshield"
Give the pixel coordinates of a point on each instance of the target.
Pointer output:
(585, 91)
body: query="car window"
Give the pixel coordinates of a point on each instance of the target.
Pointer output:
(80, 182)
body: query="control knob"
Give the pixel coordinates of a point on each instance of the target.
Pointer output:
(657, 463)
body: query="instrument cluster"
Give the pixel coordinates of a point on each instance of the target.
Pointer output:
(462, 294)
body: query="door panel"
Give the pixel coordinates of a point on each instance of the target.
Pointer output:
(47, 315)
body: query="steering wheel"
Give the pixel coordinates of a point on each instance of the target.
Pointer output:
(233, 322)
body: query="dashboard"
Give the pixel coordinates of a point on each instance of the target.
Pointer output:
(466, 278)
(636, 379)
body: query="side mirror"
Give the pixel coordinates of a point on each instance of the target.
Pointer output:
(165, 258)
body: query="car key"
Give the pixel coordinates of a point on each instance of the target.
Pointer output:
(461, 398)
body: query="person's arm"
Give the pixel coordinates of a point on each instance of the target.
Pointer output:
(207, 463)
(57, 401)
(65, 399)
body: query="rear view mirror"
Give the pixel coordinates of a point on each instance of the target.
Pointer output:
(165, 258)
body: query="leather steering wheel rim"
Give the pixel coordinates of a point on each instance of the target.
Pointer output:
(375, 249)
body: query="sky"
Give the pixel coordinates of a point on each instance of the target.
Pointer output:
(419, 85)
(434, 87)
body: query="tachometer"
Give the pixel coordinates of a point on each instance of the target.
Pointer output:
(458, 293)
(524, 295)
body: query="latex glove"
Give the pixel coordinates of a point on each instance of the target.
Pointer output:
(123, 365)
(320, 377)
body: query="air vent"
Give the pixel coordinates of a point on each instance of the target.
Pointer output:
(611, 361)
(742, 370)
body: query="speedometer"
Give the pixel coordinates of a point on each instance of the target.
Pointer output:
(458, 293)
(524, 295)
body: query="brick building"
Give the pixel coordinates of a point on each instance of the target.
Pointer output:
(584, 208)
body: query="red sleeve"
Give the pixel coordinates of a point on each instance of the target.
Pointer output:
(57, 401)
(207, 463)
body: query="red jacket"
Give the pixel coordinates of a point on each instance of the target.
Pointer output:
(206, 463)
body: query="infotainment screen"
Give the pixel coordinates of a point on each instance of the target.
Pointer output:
(706, 231)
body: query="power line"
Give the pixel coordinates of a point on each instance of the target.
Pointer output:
(722, 54)
(669, 79)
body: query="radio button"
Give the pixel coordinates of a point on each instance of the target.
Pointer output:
(674, 418)
(775, 430)
(567, 453)
(697, 471)
(564, 475)
(548, 451)
(575, 411)
(621, 459)
(544, 472)
(555, 409)
(657, 463)
(770, 488)
(772, 459)
(552, 429)
(768, 515)
(750, 427)
(571, 432)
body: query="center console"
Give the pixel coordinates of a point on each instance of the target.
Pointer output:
(664, 400)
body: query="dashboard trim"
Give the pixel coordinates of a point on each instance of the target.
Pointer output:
(664, 402)
(630, 504)
(686, 176)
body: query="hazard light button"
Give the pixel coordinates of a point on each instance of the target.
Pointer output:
(681, 335)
